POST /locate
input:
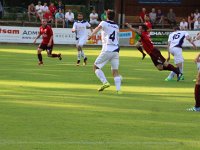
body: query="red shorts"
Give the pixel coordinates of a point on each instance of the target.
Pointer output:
(157, 57)
(44, 47)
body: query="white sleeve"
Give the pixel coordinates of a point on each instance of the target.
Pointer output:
(186, 34)
(102, 24)
(88, 25)
(73, 15)
(170, 38)
(74, 26)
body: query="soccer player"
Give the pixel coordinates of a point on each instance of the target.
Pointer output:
(47, 42)
(197, 88)
(159, 61)
(110, 51)
(175, 42)
(80, 28)
(138, 44)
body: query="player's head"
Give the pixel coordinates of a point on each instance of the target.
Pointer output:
(110, 14)
(80, 16)
(143, 28)
(176, 28)
(44, 22)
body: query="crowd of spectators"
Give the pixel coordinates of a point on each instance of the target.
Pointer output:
(158, 18)
(57, 14)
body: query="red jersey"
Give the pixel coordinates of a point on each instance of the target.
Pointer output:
(148, 24)
(52, 9)
(48, 15)
(142, 15)
(46, 34)
(146, 42)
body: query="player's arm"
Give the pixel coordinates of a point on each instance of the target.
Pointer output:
(74, 28)
(97, 29)
(168, 58)
(191, 41)
(37, 38)
(133, 29)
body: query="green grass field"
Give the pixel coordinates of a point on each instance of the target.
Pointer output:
(57, 106)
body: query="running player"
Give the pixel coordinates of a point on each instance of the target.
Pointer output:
(47, 42)
(109, 52)
(197, 89)
(175, 43)
(80, 28)
(139, 44)
(159, 61)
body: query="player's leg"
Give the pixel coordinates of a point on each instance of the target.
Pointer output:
(39, 53)
(178, 60)
(139, 47)
(53, 55)
(101, 60)
(82, 42)
(114, 66)
(196, 95)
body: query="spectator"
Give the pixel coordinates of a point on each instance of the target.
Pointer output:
(171, 17)
(45, 8)
(38, 8)
(69, 18)
(160, 17)
(31, 11)
(196, 14)
(191, 21)
(152, 16)
(52, 8)
(103, 16)
(142, 15)
(197, 24)
(49, 17)
(93, 18)
(60, 6)
(183, 25)
(59, 17)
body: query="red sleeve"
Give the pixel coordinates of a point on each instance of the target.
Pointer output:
(40, 31)
(50, 31)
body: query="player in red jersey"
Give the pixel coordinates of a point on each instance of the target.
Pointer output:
(138, 44)
(159, 61)
(47, 42)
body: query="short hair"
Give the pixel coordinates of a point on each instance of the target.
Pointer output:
(80, 13)
(176, 27)
(144, 27)
(110, 14)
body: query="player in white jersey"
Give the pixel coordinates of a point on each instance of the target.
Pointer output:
(175, 42)
(80, 28)
(110, 51)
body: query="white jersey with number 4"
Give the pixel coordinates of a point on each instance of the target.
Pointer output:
(176, 38)
(109, 36)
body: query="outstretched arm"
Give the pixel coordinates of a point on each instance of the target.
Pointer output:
(97, 29)
(133, 29)
(191, 41)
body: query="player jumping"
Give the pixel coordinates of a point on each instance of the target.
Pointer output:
(175, 43)
(109, 52)
(159, 61)
(47, 42)
(80, 28)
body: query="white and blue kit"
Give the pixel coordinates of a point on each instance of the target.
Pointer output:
(110, 45)
(81, 32)
(175, 41)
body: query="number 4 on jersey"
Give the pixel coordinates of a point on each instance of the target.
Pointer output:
(112, 36)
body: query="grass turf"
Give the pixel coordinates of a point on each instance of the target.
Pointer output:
(57, 106)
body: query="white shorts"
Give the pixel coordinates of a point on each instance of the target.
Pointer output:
(105, 57)
(81, 41)
(177, 53)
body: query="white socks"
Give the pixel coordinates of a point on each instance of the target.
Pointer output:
(99, 73)
(117, 82)
(171, 75)
(79, 55)
(82, 54)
